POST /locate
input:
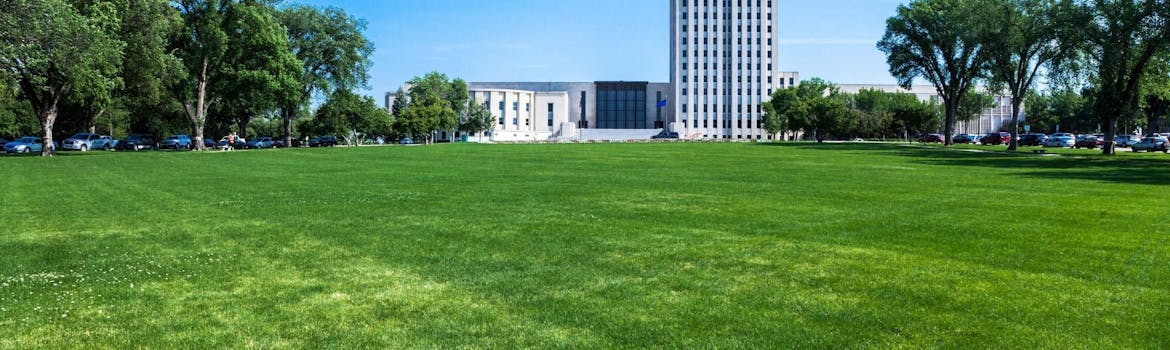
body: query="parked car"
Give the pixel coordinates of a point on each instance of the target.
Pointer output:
(996, 138)
(966, 138)
(26, 144)
(1086, 141)
(323, 141)
(1126, 140)
(929, 138)
(137, 142)
(665, 135)
(240, 143)
(279, 143)
(80, 142)
(260, 142)
(1061, 140)
(1152, 144)
(104, 143)
(1033, 139)
(178, 142)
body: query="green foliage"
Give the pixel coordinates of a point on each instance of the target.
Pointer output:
(779, 109)
(1122, 40)
(331, 49)
(1062, 110)
(478, 119)
(260, 72)
(940, 41)
(350, 115)
(53, 48)
(436, 103)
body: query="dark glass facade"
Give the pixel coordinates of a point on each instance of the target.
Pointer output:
(621, 105)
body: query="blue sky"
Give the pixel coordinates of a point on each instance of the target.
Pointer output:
(588, 40)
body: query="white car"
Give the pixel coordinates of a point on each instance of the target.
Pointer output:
(1127, 140)
(1061, 140)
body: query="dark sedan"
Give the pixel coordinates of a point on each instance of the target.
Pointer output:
(1033, 139)
(323, 141)
(996, 138)
(137, 142)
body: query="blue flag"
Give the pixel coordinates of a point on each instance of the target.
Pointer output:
(661, 103)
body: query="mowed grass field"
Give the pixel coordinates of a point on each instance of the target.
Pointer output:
(585, 246)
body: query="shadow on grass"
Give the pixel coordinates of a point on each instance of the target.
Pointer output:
(1149, 171)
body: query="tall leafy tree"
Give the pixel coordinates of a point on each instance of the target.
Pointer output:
(201, 46)
(260, 72)
(332, 51)
(1024, 39)
(53, 47)
(939, 40)
(1123, 39)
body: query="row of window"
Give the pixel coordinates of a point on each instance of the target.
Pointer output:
(759, 124)
(727, 41)
(726, 108)
(726, 16)
(727, 79)
(726, 28)
(738, 92)
(727, 3)
(727, 66)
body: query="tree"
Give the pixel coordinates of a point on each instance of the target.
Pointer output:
(1122, 38)
(479, 118)
(1024, 39)
(875, 112)
(913, 115)
(201, 46)
(444, 101)
(938, 40)
(52, 47)
(332, 52)
(346, 113)
(259, 72)
(779, 109)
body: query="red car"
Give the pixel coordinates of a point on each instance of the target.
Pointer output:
(998, 138)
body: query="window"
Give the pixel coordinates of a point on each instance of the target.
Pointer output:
(515, 106)
(550, 114)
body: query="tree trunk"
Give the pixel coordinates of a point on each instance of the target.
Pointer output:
(1110, 135)
(286, 114)
(952, 105)
(200, 108)
(1015, 143)
(242, 126)
(48, 117)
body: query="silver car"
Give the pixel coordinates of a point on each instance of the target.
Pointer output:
(80, 142)
(1127, 140)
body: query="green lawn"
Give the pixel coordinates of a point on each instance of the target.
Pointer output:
(585, 246)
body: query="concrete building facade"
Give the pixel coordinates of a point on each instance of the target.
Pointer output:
(724, 65)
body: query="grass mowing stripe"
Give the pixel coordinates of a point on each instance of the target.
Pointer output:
(585, 246)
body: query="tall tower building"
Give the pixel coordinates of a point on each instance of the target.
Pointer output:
(724, 65)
